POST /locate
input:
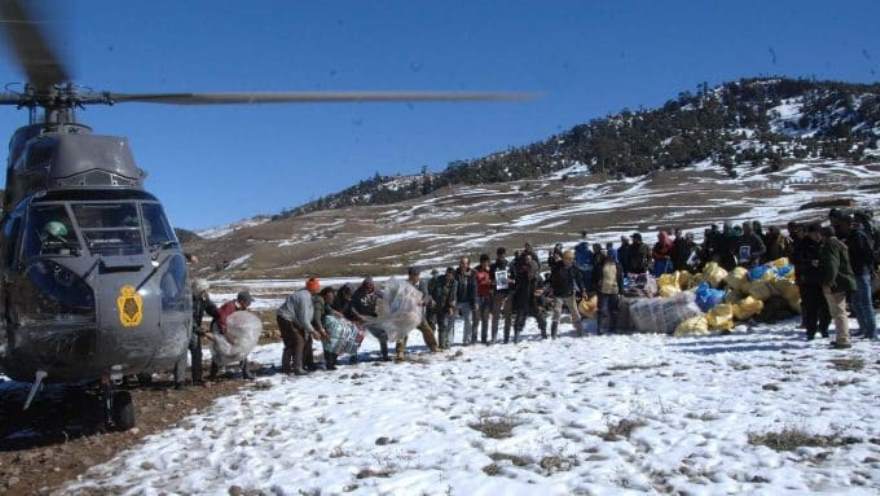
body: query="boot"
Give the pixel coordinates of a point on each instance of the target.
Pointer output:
(245, 371)
(383, 349)
(330, 361)
(215, 371)
(516, 335)
(286, 359)
(554, 330)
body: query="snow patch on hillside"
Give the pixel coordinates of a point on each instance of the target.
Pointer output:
(220, 231)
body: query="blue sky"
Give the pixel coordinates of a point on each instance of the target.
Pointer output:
(220, 164)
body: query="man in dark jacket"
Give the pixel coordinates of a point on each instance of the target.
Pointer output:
(750, 247)
(682, 248)
(623, 254)
(443, 294)
(502, 281)
(805, 258)
(466, 299)
(525, 302)
(566, 281)
(778, 245)
(639, 255)
(363, 304)
(201, 305)
(838, 282)
(861, 258)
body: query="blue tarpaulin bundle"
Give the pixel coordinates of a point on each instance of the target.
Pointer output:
(708, 298)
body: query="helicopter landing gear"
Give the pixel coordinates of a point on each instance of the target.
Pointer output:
(41, 374)
(118, 408)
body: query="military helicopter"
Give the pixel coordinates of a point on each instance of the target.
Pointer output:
(94, 285)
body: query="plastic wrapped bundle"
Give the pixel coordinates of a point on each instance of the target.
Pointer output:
(345, 335)
(708, 298)
(663, 314)
(694, 326)
(243, 329)
(399, 309)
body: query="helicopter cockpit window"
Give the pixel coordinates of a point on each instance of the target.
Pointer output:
(110, 228)
(159, 233)
(49, 232)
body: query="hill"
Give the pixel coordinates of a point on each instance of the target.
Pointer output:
(756, 148)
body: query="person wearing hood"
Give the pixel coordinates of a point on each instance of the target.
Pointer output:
(728, 242)
(662, 254)
(815, 316)
(295, 317)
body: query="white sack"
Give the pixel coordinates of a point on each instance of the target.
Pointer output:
(244, 329)
(399, 309)
(663, 314)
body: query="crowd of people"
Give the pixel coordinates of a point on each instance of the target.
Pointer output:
(835, 264)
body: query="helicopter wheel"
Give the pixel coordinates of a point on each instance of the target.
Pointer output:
(122, 411)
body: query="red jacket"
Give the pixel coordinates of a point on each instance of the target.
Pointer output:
(663, 248)
(484, 282)
(223, 313)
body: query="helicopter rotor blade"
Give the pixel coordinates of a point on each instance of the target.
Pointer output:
(30, 47)
(248, 98)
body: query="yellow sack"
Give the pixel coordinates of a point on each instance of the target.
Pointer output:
(714, 274)
(668, 279)
(588, 306)
(684, 279)
(720, 318)
(761, 290)
(667, 290)
(780, 262)
(738, 279)
(789, 290)
(747, 308)
(694, 280)
(694, 326)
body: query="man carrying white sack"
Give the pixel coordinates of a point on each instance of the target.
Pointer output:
(295, 323)
(414, 278)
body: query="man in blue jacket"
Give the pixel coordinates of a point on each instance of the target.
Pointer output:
(583, 260)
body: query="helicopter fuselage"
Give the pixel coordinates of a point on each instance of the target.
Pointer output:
(94, 283)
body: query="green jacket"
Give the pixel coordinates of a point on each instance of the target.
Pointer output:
(834, 265)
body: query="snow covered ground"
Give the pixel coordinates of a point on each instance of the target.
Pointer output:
(595, 415)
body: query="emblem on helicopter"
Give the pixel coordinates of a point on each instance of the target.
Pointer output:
(131, 307)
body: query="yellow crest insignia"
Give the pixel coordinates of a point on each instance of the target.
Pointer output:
(131, 307)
